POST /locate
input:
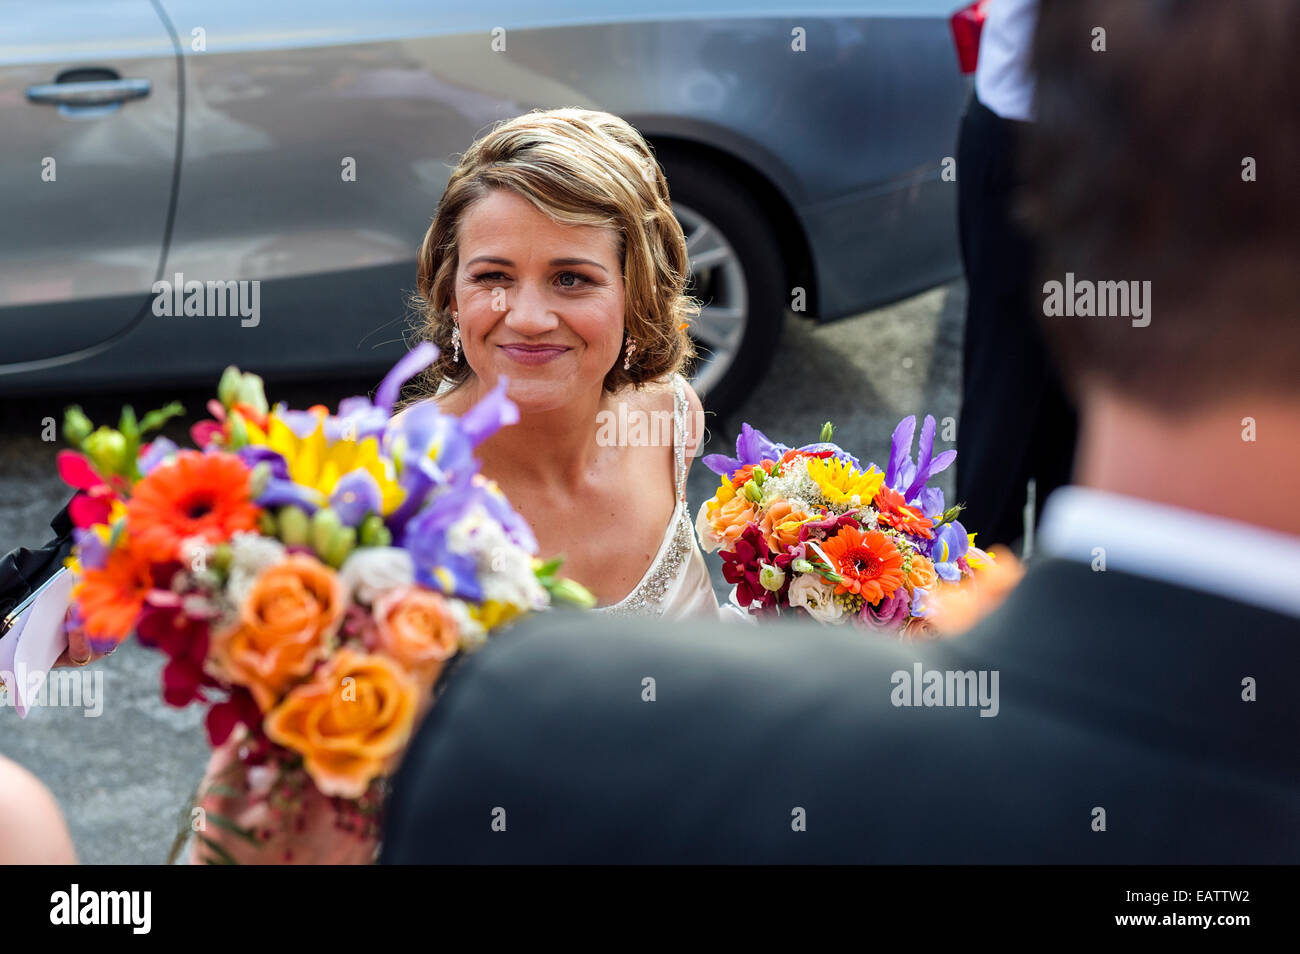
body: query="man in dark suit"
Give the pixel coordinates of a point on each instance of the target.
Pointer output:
(1136, 699)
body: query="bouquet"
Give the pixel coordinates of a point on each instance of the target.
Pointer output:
(810, 531)
(307, 575)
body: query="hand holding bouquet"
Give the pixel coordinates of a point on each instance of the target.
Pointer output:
(810, 531)
(307, 575)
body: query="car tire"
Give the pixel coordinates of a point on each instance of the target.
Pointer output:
(745, 277)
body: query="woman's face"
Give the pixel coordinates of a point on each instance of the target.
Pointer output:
(540, 303)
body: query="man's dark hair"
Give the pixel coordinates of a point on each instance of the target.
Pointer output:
(1137, 170)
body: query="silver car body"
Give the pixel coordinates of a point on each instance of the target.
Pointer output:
(232, 167)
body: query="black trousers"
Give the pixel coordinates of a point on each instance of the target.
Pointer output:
(1016, 421)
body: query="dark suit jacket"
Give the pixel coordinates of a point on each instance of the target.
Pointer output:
(1116, 694)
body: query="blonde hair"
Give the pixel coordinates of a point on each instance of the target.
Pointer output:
(578, 167)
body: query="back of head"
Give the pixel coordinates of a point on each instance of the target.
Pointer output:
(1165, 151)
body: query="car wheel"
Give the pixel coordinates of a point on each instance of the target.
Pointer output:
(738, 275)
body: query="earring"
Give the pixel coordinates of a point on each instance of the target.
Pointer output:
(455, 339)
(627, 360)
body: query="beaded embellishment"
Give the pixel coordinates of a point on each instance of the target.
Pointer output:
(647, 598)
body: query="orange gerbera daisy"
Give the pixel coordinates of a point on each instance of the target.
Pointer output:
(894, 512)
(871, 565)
(196, 495)
(110, 597)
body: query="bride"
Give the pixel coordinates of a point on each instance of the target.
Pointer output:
(555, 262)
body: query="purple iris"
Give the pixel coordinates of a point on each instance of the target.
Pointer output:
(359, 417)
(160, 448)
(909, 478)
(516, 527)
(949, 546)
(425, 538)
(356, 495)
(279, 491)
(836, 451)
(752, 447)
(91, 550)
(433, 449)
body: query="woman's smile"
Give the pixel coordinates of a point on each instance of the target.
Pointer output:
(533, 354)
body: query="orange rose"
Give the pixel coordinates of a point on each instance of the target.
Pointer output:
(289, 613)
(730, 519)
(921, 574)
(351, 722)
(417, 629)
(780, 525)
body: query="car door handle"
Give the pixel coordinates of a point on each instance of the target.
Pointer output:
(95, 93)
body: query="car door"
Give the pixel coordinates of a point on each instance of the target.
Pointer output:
(89, 115)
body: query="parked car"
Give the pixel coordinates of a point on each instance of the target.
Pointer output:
(180, 141)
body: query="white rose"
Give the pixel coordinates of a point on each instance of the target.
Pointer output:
(709, 540)
(370, 572)
(250, 554)
(817, 596)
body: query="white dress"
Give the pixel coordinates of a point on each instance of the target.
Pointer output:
(677, 583)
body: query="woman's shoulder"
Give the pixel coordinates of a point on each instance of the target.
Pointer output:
(660, 394)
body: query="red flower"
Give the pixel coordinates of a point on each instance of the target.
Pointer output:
(184, 639)
(895, 512)
(225, 716)
(92, 504)
(743, 565)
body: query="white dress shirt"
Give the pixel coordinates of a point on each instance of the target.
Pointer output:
(1200, 551)
(1003, 81)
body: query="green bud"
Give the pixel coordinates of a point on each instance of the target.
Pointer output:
(752, 492)
(238, 431)
(827, 431)
(228, 387)
(106, 449)
(370, 531)
(759, 475)
(221, 557)
(76, 426)
(801, 566)
(548, 567)
(252, 393)
(572, 592)
(260, 477)
(128, 425)
(323, 524)
(341, 543)
(266, 524)
(295, 527)
(951, 513)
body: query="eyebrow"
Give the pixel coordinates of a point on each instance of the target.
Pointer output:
(496, 260)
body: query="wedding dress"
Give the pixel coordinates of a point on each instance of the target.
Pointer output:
(677, 583)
